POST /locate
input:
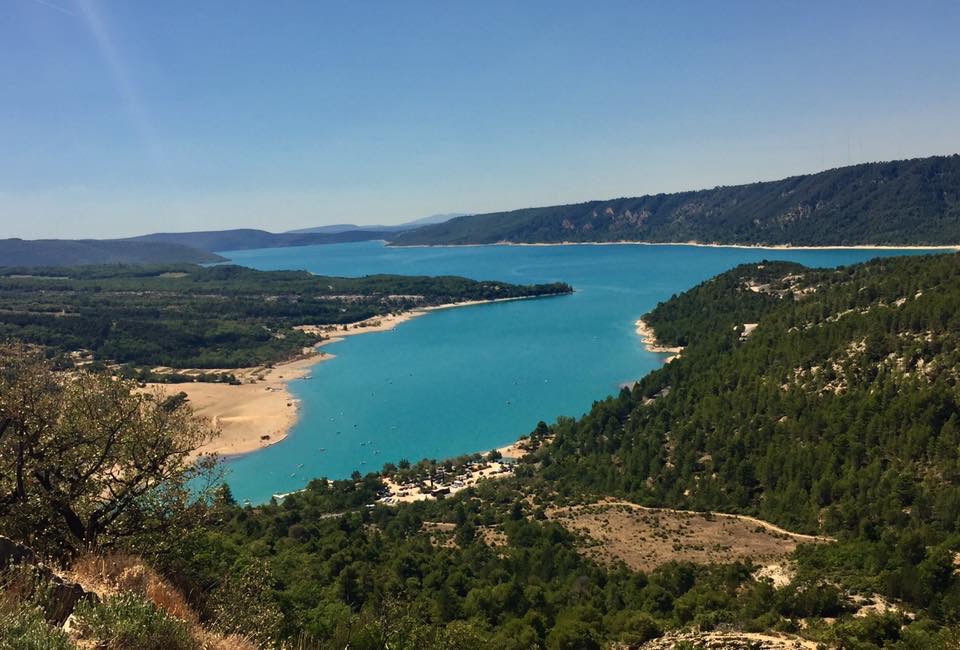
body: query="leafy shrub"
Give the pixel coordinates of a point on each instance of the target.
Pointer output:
(24, 628)
(126, 621)
(243, 604)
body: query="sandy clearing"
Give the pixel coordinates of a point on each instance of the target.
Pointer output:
(645, 538)
(468, 477)
(730, 641)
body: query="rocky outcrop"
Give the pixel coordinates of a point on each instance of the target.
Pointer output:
(12, 553)
(20, 571)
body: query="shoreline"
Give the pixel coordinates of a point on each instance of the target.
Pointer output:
(649, 338)
(262, 410)
(408, 493)
(255, 414)
(774, 247)
(493, 469)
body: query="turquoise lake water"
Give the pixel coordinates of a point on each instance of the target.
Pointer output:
(474, 378)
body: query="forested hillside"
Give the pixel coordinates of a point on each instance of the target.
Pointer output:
(838, 413)
(187, 316)
(75, 252)
(908, 202)
(248, 238)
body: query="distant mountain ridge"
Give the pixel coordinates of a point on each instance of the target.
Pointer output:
(409, 225)
(247, 238)
(76, 252)
(908, 202)
(900, 203)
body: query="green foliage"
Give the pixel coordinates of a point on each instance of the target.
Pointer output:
(900, 202)
(345, 574)
(23, 627)
(128, 621)
(394, 624)
(243, 604)
(87, 460)
(722, 303)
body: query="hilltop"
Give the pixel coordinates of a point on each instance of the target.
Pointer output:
(67, 252)
(247, 238)
(907, 202)
(409, 225)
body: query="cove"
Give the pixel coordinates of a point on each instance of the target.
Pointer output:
(470, 379)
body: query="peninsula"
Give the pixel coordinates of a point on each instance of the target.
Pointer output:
(229, 338)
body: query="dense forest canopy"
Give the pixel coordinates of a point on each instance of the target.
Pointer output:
(187, 316)
(908, 202)
(838, 413)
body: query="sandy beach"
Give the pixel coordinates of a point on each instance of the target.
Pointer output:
(261, 410)
(252, 415)
(649, 338)
(771, 247)
(390, 321)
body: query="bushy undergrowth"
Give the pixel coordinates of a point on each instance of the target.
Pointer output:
(122, 572)
(127, 621)
(22, 627)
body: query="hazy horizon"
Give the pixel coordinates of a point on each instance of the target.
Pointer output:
(129, 118)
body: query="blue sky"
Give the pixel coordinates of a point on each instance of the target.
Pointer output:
(124, 117)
